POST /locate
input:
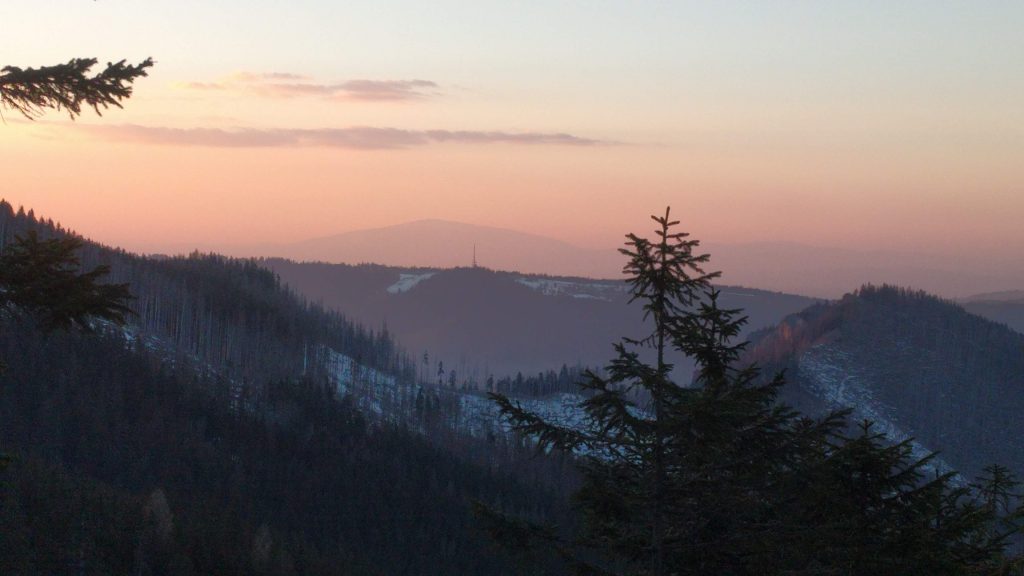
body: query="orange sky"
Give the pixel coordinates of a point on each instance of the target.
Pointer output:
(875, 127)
(144, 195)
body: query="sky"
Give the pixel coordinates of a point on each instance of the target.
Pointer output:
(855, 125)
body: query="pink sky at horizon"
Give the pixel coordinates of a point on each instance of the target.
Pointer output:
(867, 128)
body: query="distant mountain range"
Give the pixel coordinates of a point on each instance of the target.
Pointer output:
(832, 272)
(484, 322)
(787, 267)
(444, 244)
(1003, 307)
(1004, 296)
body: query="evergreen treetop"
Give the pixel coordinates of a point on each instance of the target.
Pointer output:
(714, 476)
(41, 277)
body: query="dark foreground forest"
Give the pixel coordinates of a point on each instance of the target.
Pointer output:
(229, 427)
(169, 447)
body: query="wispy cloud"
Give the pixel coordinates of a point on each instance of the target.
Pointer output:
(355, 138)
(287, 85)
(266, 76)
(388, 89)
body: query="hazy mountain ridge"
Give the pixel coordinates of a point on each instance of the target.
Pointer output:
(830, 272)
(1004, 307)
(489, 322)
(1004, 296)
(826, 272)
(921, 366)
(1008, 313)
(446, 244)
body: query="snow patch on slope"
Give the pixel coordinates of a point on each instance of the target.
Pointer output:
(605, 291)
(479, 414)
(407, 282)
(380, 396)
(832, 375)
(374, 392)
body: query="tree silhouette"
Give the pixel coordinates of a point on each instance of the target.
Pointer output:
(69, 86)
(41, 277)
(714, 476)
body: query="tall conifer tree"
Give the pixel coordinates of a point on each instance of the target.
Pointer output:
(714, 476)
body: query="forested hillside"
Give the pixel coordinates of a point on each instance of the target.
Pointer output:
(125, 464)
(227, 429)
(921, 366)
(228, 314)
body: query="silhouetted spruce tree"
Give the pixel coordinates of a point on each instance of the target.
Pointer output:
(42, 277)
(67, 87)
(715, 477)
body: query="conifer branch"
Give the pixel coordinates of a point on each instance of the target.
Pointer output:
(545, 434)
(68, 87)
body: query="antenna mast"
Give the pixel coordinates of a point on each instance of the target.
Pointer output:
(474, 255)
